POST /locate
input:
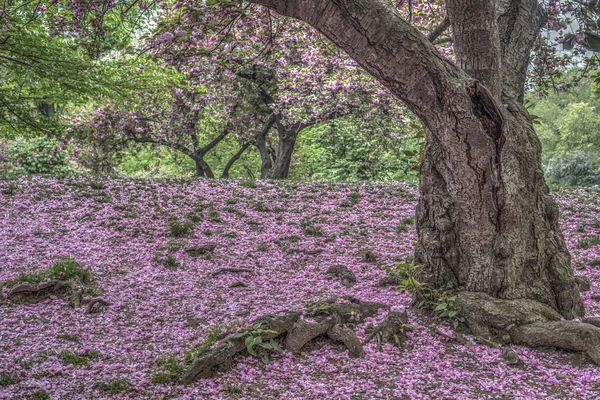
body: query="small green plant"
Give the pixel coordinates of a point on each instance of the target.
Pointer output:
(10, 189)
(446, 309)
(69, 336)
(6, 379)
(402, 270)
(262, 247)
(169, 370)
(65, 269)
(171, 261)
(194, 217)
(587, 242)
(425, 296)
(39, 395)
(295, 238)
(234, 389)
(253, 337)
(115, 386)
(78, 359)
(309, 228)
(214, 216)
(180, 228)
(259, 206)
(97, 185)
(315, 308)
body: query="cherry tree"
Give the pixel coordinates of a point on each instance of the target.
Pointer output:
(487, 226)
(488, 229)
(291, 78)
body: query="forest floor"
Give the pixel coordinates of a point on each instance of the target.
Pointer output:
(132, 234)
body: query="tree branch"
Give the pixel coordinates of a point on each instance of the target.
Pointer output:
(367, 30)
(441, 28)
(233, 159)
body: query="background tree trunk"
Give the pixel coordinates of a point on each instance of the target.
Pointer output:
(203, 170)
(285, 150)
(233, 159)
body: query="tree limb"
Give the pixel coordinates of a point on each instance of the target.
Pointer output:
(441, 28)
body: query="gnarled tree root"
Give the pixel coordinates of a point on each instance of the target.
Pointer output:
(527, 322)
(347, 277)
(294, 329)
(29, 293)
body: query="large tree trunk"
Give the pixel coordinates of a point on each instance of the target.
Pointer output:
(487, 226)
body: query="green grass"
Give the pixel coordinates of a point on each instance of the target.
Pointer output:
(180, 228)
(587, 242)
(65, 269)
(169, 370)
(171, 261)
(39, 395)
(115, 386)
(76, 359)
(214, 216)
(6, 379)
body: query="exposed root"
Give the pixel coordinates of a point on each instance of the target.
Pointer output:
(28, 293)
(196, 251)
(295, 329)
(392, 330)
(528, 322)
(343, 273)
(369, 256)
(96, 306)
(390, 281)
(235, 270)
(570, 335)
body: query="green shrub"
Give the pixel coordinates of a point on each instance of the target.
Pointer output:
(39, 156)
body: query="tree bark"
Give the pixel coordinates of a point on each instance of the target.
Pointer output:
(233, 159)
(285, 149)
(485, 220)
(263, 149)
(203, 170)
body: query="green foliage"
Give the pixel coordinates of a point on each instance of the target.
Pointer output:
(588, 241)
(39, 156)
(39, 395)
(568, 125)
(179, 228)
(171, 261)
(146, 160)
(78, 359)
(65, 269)
(425, 296)
(357, 149)
(254, 337)
(114, 386)
(6, 379)
(309, 228)
(169, 370)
